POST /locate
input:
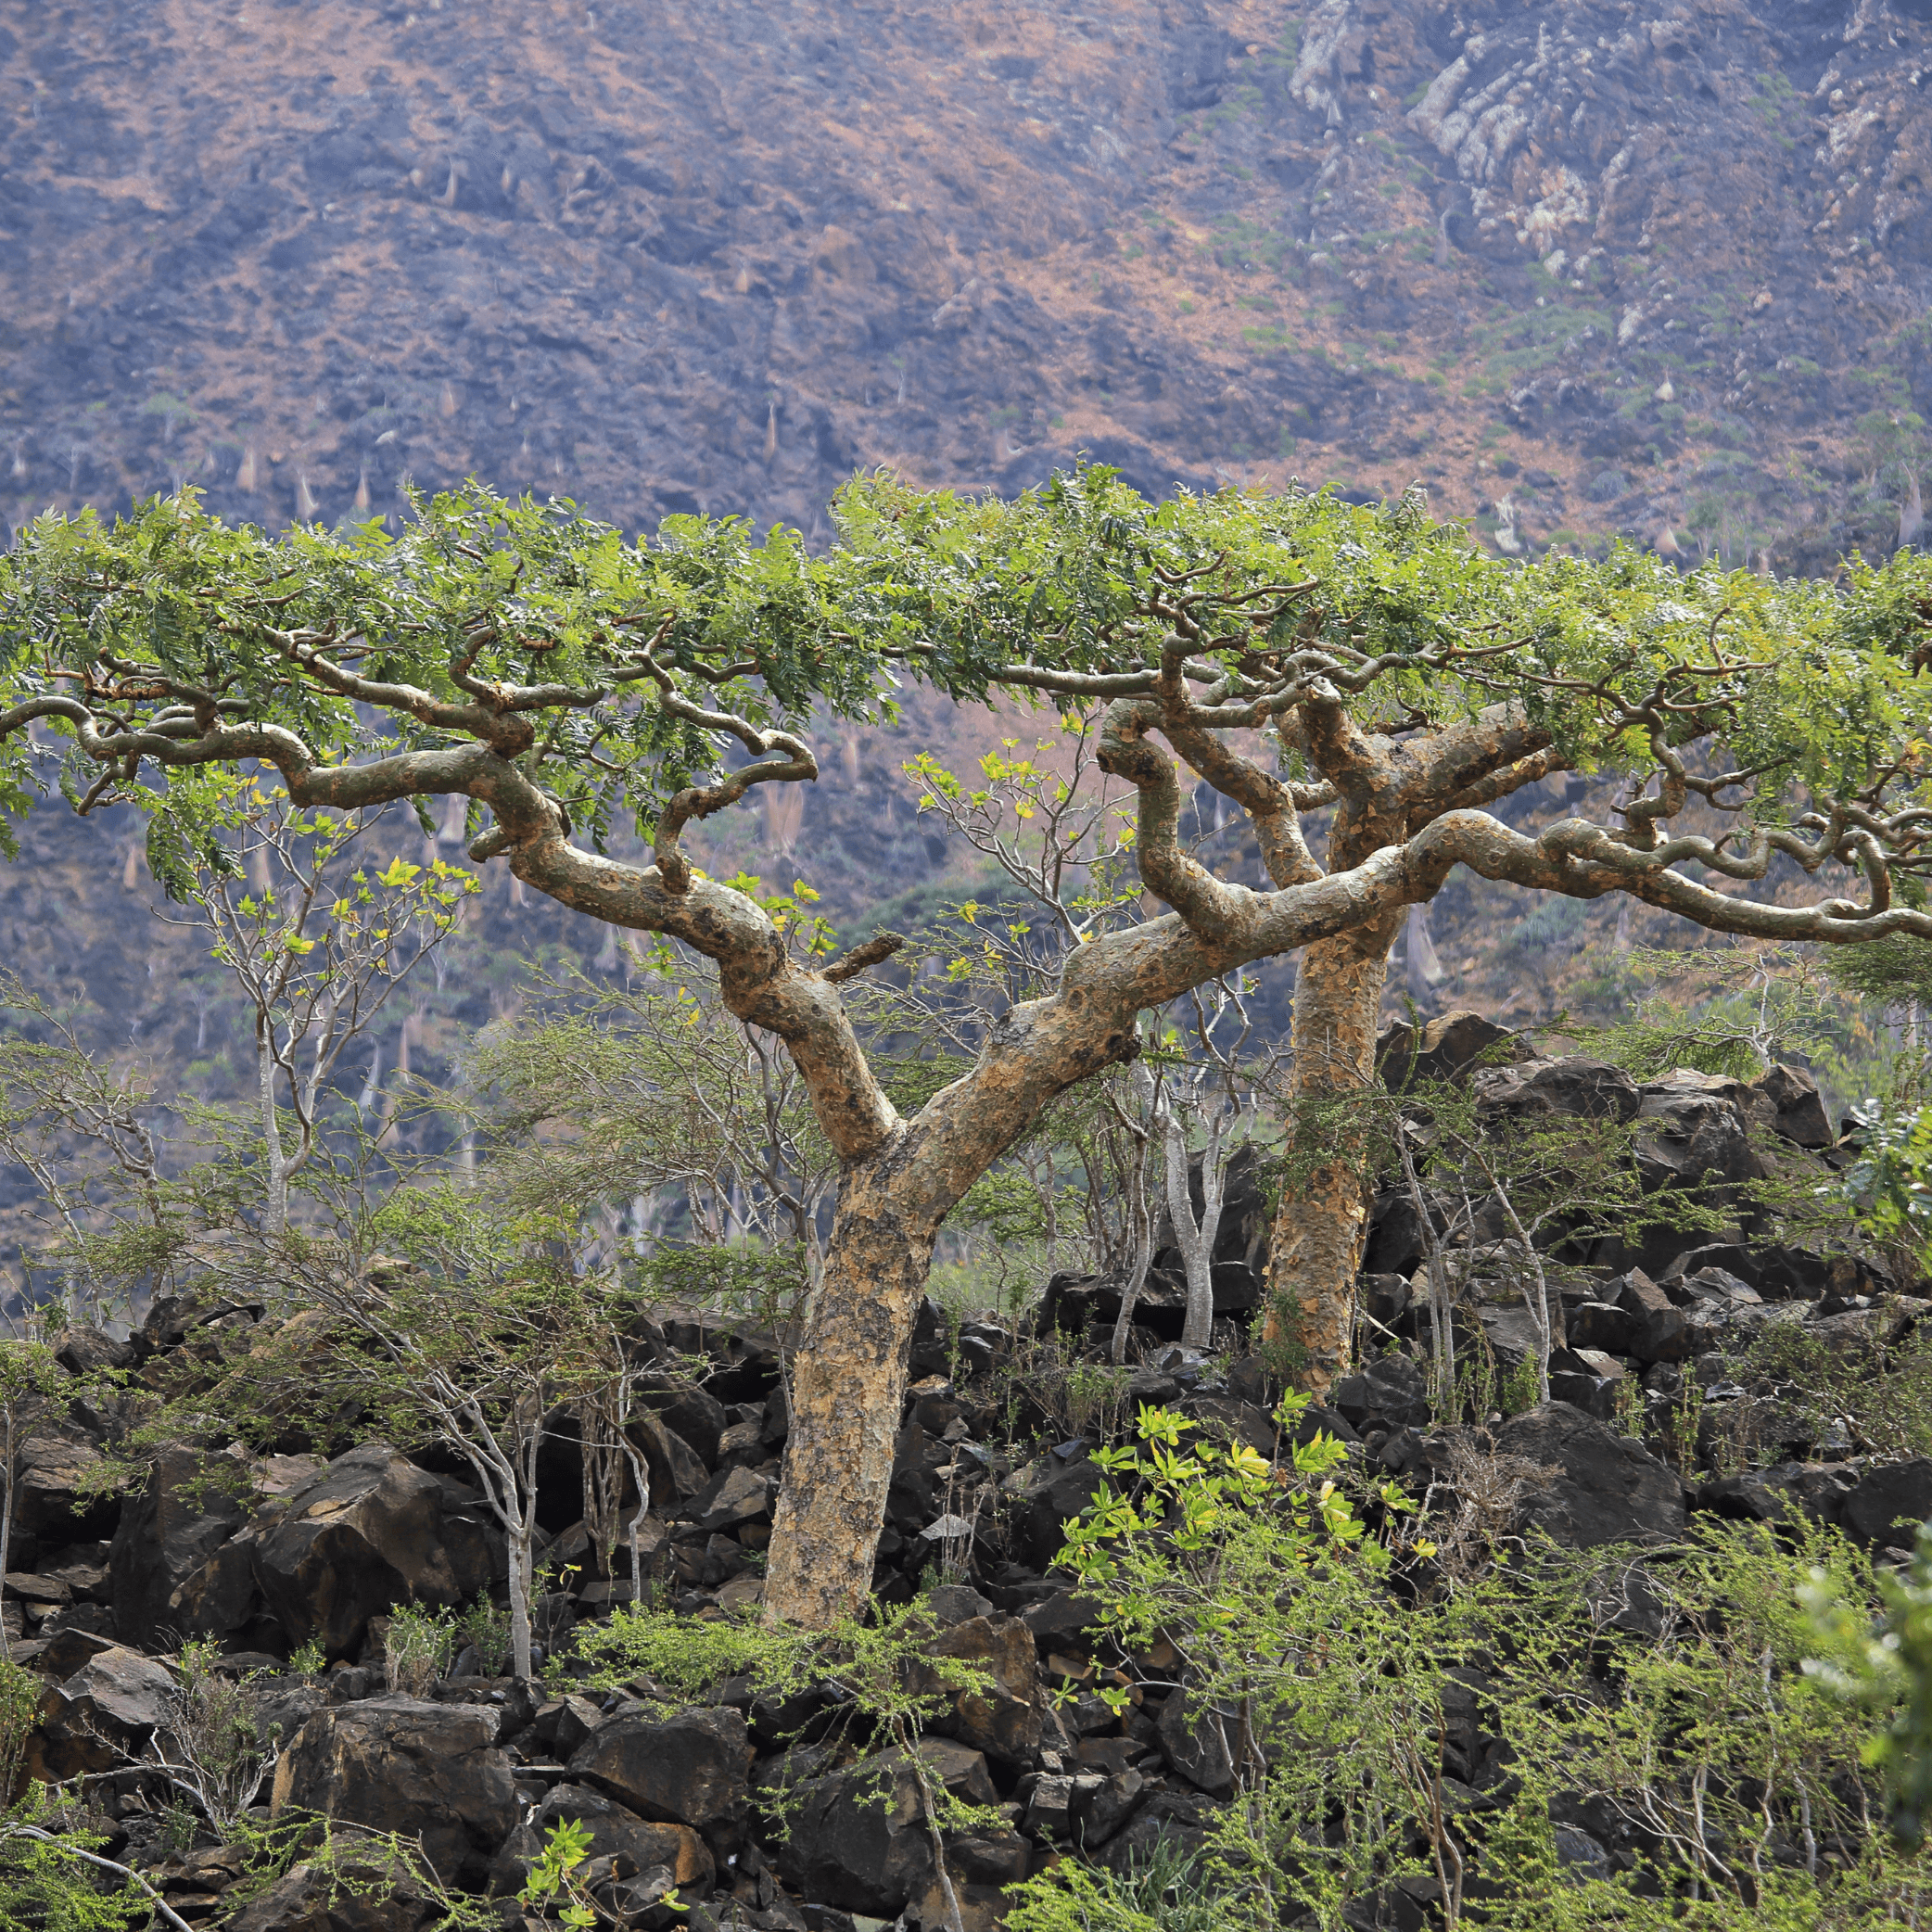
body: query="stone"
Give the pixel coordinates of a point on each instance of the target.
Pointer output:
(168, 1535)
(734, 1496)
(1605, 1489)
(1511, 1332)
(1891, 1502)
(1383, 1299)
(694, 1414)
(54, 1462)
(1717, 1285)
(1391, 1390)
(430, 1771)
(676, 1468)
(1002, 1719)
(1111, 1807)
(1061, 1616)
(1178, 1822)
(102, 1715)
(1798, 1108)
(1590, 1089)
(955, 1603)
(1193, 1739)
(1660, 1332)
(1600, 1324)
(83, 1351)
(688, 1770)
(1451, 1046)
(962, 1769)
(616, 1830)
(370, 1531)
(1040, 1511)
(364, 1896)
(1056, 1807)
(1396, 1244)
(1594, 1395)
(858, 1838)
(1691, 1133)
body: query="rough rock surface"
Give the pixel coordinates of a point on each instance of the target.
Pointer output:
(1605, 1487)
(368, 1532)
(427, 1771)
(689, 1770)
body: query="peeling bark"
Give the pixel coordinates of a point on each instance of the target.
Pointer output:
(849, 1383)
(1321, 1225)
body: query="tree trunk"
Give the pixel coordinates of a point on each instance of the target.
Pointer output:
(848, 1384)
(520, 1565)
(275, 1214)
(1322, 1222)
(1195, 1240)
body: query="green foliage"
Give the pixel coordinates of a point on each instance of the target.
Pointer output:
(213, 1750)
(417, 1648)
(1164, 1892)
(1888, 1185)
(891, 1688)
(308, 1661)
(1190, 1498)
(476, 586)
(557, 1885)
(1730, 1010)
(20, 1692)
(486, 1629)
(54, 1877)
(1432, 1738)
(1890, 1671)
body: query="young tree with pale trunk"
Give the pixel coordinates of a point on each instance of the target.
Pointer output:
(315, 949)
(1302, 656)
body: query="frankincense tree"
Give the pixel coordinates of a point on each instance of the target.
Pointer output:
(1361, 683)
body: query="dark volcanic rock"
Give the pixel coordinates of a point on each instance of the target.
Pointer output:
(431, 1772)
(1891, 1502)
(858, 1838)
(615, 1830)
(1194, 1741)
(689, 1770)
(1605, 1487)
(1041, 1509)
(364, 1896)
(1002, 1718)
(371, 1531)
(100, 1716)
(166, 1561)
(1391, 1390)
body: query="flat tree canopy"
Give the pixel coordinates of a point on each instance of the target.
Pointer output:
(1302, 655)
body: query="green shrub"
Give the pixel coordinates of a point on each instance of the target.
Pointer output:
(417, 1648)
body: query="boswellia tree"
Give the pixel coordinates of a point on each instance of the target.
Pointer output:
(1361, 683)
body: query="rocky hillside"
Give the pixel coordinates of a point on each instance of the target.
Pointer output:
(1698, 1381)
(1578, 267)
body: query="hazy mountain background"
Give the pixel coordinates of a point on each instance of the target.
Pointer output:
(1582, 268)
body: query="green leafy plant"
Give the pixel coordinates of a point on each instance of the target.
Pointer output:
(1886, 1668)
(557, 1885)
(1190, 1498)
(417, 1648)
(308, 1661)
(486, 1628)
(213, 1748)
(1888, 1185)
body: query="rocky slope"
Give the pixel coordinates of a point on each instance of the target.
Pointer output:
(1581, 267)
(1669, 1406)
